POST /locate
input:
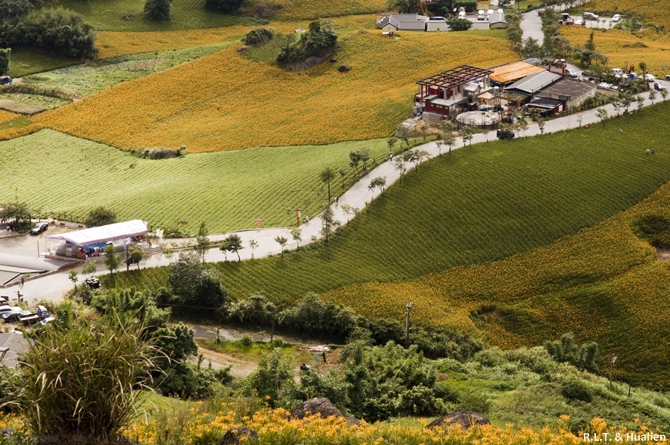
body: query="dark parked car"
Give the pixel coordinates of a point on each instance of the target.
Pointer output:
(505, 134)
(39, 228)
(4, 80)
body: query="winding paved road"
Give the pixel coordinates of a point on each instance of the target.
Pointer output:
(52, 287)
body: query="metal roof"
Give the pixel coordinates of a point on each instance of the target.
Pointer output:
(101, 234)
(514, 71)
(568, 89)
(535, 82)
(455, 76)
(546, 103)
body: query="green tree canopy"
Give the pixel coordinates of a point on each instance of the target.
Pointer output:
(100, 216)
(158, 10)
(224, 6)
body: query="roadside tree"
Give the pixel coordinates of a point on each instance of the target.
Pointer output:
(112, 260)
(282, 243)
(233, 243)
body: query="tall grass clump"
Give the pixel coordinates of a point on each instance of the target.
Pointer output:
(81, 383)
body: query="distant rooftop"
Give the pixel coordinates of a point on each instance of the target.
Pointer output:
(534, 83)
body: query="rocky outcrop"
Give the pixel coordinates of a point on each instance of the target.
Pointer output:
(461, 417)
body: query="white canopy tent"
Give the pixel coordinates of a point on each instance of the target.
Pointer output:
(70, 242)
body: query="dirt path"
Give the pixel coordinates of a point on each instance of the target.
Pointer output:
(239, 367)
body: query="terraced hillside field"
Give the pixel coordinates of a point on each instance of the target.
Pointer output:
(227, 102)
(128, 15)
(653, 11)
(603, 284)
(476, 205)
(625, 49)
(56, 172)
(491, 202)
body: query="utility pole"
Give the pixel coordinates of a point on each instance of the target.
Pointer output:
(614, 357)
(297, 217)
(408, 309)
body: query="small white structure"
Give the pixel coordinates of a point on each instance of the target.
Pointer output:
(77, 243)
(437, 24)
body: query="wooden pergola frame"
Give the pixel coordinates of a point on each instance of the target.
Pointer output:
(453, 77)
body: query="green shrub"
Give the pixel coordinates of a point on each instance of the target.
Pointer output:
(311, 47)
(474, 400)
(224, 6)
(100, 216)
(259, 36)
(5, 54)
(317, 317)
(84, 379)
(459, 24)
(655, 229)
(566, 351)
(159, 10)
(576, 390)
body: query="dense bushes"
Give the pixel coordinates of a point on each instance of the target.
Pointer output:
(14, 9)
(375, 383)
(60, 30)
(317, 317)
(655, 229)
(224, 6)
(259, 36)
(159, 10)
(565, 350)
(159, 152)
(311, 48)
(194, 288)
(5, 54)
(459, 24)
(100, 216)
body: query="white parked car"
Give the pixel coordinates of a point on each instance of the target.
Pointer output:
(616, 18)
(578, 22)
(572, 73)
(650, 78)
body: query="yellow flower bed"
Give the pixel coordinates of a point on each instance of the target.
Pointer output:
(653, 11)
(12, 133)
(612, 43)
(227, 102)
(6, 116)
(274, 427)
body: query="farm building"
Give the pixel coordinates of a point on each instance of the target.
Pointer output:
(509, 73)
(492, 20)
(571, 93)
(439, 94)
(82, 243)
(530, 85)
(403, 22)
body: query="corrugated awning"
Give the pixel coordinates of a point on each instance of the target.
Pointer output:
(101, 234)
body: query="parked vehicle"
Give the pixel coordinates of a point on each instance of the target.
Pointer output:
(572, 73)
(39, 228)
(5, 80)
(505, 134)
(481, 15)
(14, 314)
(659, 86)
(616, 18)
(566, 19)
(590, 16)
(579, 21)
(650, 78)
